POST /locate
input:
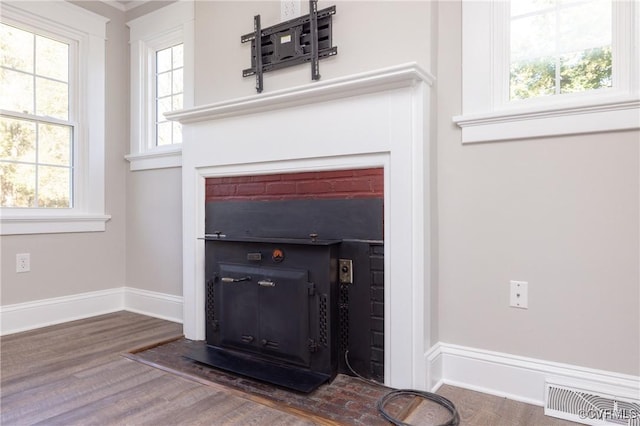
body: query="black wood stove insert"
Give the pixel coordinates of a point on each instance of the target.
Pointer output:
(272, 309)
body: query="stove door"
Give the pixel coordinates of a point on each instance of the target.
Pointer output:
(265, 310)
(238, 301)
(284, 315)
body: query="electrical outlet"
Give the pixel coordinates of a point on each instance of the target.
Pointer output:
(289, 9)
(519, 294)
(23, 262)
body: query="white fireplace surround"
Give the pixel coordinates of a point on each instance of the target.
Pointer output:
(374, 119)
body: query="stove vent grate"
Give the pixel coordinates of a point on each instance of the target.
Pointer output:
(323, 321)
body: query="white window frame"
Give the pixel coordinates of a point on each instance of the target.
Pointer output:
(487, 115)
(171, 25)
(88, 30)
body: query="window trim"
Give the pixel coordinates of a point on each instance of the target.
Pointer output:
(88, 30)
(170, 25)
(485, 117)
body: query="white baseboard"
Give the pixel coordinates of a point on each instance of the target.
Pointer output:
(516, 377)
(153, 304)
(41, 313)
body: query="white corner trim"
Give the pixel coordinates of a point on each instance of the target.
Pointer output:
(511, 125)
(153, 304)
(41, 313)
(156, 159)
(42, 224)
(521, 378)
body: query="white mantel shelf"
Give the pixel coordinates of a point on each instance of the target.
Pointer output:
(324, 90)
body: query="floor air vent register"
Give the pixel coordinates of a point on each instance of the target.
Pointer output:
(584, 406)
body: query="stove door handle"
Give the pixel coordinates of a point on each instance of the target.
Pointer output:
(234, 280)
(266, 283)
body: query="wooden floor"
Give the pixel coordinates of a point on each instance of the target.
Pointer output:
(75, 374)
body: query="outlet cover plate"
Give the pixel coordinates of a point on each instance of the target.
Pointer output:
(23, 262)
(519, 294)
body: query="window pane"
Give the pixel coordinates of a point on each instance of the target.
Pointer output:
(17, 91)
(177, 81)
(17, 140)
(54, 185)
(178, 58)
(54, 144)
(164, 84)
(533, 37)
(561, 46)
(164, 105)
(16, 49)
(52, 58)
(522, 7)
(587, 70)
(17, 184)
(584, 26)
(52, 98)
(164, 133)
(177, 102)
(177, 132)
(536, 77)
(163, 60)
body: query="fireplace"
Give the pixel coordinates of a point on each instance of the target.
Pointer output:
(294, 268)
(375, 119)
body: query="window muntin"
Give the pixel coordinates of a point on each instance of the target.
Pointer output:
(169, 93)
(36, 130)
(559, 47)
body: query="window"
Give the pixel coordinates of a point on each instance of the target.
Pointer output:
(536, 68)
(51, 118)
(161, 81)
(169, 86)
(36, 124)
(559, 47)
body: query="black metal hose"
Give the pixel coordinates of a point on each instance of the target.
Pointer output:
(396, 393)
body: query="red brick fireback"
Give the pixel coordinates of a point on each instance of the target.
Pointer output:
(334, 184)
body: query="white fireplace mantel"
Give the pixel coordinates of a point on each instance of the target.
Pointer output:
(375, 119)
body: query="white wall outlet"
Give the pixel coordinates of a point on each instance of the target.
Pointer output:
(23, 262)
(289, 9)
(519, 294)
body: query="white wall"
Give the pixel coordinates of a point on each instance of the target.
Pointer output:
(560, 213)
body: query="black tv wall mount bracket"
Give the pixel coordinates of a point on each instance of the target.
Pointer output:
(289, 43)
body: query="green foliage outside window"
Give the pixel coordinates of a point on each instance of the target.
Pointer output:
(36, 143)
(578, 72)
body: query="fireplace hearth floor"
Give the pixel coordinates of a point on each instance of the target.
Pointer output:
(346, 400)
(288, 377)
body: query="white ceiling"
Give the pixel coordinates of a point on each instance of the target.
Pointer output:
(125, 5)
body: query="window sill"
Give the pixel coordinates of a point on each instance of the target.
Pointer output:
(161, 158)
(40, 224)
(559, 121)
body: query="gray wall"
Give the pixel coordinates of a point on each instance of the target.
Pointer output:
(154, 216)
(560, 213)
(66, 264)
